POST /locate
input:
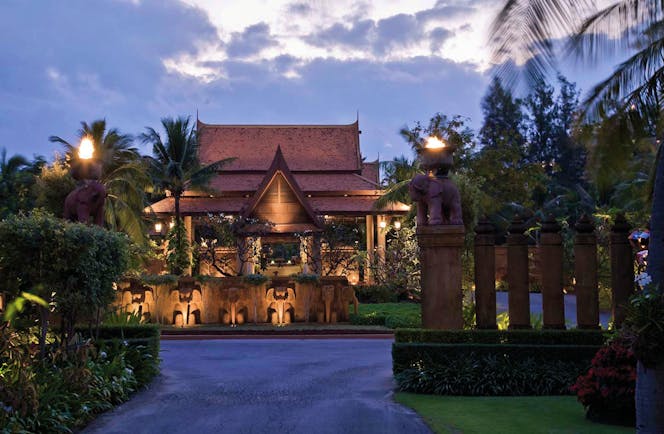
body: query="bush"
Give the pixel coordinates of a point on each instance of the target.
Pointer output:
(488, 369)
(517, 337)
(607, 389)
(66, 388)
(392, 315)
(376, 294)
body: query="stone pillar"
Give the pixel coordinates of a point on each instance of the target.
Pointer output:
(380, 236)
(316, 255)
(585, 274)
(551, 260)
(622, 269)
(370, 248)
(440, 258)
(517, 275)
(485, 270)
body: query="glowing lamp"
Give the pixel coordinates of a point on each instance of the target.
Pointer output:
(436, 156)
(382, 224)
(171, 225)
(157, 227)
(397, 225)
(86, 150)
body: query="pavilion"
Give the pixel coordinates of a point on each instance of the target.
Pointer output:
(298, 177)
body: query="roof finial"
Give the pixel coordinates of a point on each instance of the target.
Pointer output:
(357, 116)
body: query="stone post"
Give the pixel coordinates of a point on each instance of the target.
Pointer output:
(585, 274)
(485, 279)
(622, 269)
(517, 275)
(440, 258)
(189, 229)
(551, 260)
(368, 278)
(381, 234)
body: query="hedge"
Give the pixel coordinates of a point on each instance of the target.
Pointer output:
(492, 362)
(534, 337)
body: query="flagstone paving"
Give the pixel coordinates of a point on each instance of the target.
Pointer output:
(268, 386)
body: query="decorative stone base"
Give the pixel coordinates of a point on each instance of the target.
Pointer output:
(440, 258)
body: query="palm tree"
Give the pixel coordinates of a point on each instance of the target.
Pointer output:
(397, 175)
(524, 29)
(123, 175)
(175, 166)
(10, 172)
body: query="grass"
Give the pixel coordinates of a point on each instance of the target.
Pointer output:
(391, 315)
(522, 414)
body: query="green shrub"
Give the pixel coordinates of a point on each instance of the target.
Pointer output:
(392, 315)
(376, 294)
(517, 337)
(489, 369)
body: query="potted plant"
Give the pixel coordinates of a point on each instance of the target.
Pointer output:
(644, 329)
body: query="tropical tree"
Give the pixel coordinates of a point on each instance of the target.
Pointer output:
(17, 176)
(175, 166)
(123, 175)
(524, 30)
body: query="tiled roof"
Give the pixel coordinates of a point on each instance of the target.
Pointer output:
(305, 147)
(229, 181)
(233, 205)
(371, 172)
(365, 204)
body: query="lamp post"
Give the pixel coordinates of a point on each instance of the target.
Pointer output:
(440, 235)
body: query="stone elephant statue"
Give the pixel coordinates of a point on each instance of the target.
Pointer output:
(86, 201)
(437, 198)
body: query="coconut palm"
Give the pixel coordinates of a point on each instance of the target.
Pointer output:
(175, 166)
(123, 175)
(524, 31)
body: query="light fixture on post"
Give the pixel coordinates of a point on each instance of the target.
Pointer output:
(158, 227)
(382, 224)
(397, 224)
(437, 155)
(88, 199)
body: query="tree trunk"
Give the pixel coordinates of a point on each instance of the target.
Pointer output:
(656, 243)
(178, 232)
(649, 399)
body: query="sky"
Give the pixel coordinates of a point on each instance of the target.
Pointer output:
(133, 62)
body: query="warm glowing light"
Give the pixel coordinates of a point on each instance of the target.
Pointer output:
(87, 149)
(157, 227)
(171, 225)
(434, 143)
(397, 225)
(382, 224)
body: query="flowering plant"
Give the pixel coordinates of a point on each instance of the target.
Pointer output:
(607, 389)
(644, 322)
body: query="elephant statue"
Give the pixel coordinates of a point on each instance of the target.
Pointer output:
(281, 301)
(437, 198)
(327, 295)
(86, 201)
(347, 296)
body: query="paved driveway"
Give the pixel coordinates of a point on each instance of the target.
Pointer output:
(267, 386)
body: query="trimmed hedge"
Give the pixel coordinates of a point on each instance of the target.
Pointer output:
(524, 337)
(492, 362)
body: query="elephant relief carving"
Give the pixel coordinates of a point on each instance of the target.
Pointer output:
(281, 300)
(327, 296)
(187, 306)
(439, 199)
(86, 201)
(348, 296)
(233, 314)
(138, 299)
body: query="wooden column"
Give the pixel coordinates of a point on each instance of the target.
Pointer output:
(188, 227)
(485, 279)
(380, 236)
(370, 248)
(585, 274)
(440, 258)
(622, 269)
(553, 298)
(517, 275)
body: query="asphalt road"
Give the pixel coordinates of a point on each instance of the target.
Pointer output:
(268, 386)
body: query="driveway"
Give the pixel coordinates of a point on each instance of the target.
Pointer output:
(268, 386)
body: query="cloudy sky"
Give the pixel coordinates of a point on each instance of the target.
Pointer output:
(245, 62)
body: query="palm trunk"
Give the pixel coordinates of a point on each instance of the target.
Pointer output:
(656, 243)
(178, 232)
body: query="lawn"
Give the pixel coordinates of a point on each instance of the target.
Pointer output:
(392, 315)
(497, 415)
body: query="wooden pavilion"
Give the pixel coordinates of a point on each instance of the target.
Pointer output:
(298, 177)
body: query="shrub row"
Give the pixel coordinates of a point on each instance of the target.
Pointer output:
(489, 369)
(385, 319)
(523, 337)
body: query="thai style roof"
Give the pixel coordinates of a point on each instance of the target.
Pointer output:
(315, 169)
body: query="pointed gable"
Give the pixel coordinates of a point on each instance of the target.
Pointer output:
(279, 198)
